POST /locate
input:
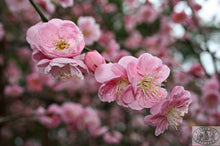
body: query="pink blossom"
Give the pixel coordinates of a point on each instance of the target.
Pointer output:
(197, 70)
(134, 40)
(115, 83)
(66, 3)
(211, 100)
(13, 90)
(56, 38)
(146, 14)
(35, 82)
(130, 22)
(18, 5)
(180, 17)
(62, 68)
(211, 84)
(71, 112)
(89, 120)
(105, 37)
(90, 29)
(12, 72)
(146, 75)
(2, 32)
(46, 5)
(113, 137)
(24, 53)
(98, 131)
(169, 111)
(50, 117)
(109, 8)
(93, 59)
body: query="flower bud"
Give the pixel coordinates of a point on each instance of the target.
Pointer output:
(93, 59)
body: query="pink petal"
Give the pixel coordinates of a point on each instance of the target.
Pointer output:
(128, 95)
(147, 63)
(104, 73)
(124, 61)
(106, 92)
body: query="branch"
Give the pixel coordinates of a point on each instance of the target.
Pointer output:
(43, 17)
(15, 117)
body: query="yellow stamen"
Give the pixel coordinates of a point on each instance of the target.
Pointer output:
(62, 44)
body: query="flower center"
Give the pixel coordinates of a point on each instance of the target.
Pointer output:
(62, 73)
(174, 117)
(86, 32)
(121, 85)
(62, 44)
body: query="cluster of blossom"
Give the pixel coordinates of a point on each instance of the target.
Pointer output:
(117, 29)
(76, 117)
(132, 82)
(47, 5)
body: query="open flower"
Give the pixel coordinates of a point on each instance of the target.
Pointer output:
(90, 29)
(170, 111)
(62, 68)
(146, 75)
(115, 83)
(56, 38)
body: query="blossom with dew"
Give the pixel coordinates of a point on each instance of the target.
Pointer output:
(146, 75)
(90, 29)
(170, 111)
(56, 38)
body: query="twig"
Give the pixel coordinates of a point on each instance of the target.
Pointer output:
(15, 117)
(43, 17)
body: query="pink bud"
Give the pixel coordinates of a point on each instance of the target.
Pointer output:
(93, 59)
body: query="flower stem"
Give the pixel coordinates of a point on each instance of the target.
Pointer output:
(43, 17)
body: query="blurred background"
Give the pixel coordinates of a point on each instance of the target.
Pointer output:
(184, 34)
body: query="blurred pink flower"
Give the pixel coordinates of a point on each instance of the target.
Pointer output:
(197, 70)
(146, 75)
(56, 38)
(211, 100)
(71, 112)
(50, 117)
(146, 14)
(2, 32)
(170, 111)
(90, 29)
(18, 5)
(134, 40)
(66, 3)
(113, 137)
(93, 59)
(63, 68)
(89, 120)
(46, 5)
(179, 17)
(12, 72)
(130, 22)
(106, 37)
(35, 82)
(211, 84)
(13, 90)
